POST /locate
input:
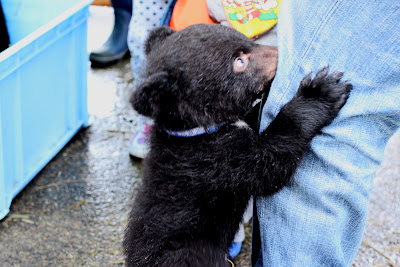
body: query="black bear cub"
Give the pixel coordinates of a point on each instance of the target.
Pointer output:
(204, 163)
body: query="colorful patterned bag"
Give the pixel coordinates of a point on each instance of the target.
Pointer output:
(252, 18)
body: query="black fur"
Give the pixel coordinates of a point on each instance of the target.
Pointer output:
(195, 189)
(4, 38)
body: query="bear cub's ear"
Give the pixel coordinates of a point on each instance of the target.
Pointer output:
(147, 98)
(156, 37)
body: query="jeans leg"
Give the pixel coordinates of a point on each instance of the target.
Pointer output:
(319, 219)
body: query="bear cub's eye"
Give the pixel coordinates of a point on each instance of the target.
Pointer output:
(240, 62)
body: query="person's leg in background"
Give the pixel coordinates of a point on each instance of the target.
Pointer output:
(146, 15)
(116, 47)
(240, 235)
(319, 219)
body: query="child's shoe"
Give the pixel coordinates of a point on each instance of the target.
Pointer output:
(234, 249)
(140, 141)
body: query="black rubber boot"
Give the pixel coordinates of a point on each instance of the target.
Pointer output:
(116, 46)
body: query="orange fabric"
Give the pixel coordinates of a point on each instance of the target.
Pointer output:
(189, 12)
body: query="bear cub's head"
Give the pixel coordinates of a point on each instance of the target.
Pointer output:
(202, 75)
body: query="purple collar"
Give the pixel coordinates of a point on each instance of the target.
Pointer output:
(195, 131)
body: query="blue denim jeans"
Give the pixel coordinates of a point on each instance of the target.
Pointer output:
(319, 219)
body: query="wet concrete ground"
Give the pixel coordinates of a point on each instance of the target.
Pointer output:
(74, 212)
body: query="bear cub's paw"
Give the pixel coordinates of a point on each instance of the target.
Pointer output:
(327, 89)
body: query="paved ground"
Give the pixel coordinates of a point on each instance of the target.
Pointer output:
(74, 212)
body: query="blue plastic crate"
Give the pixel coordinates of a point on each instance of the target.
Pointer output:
(43, 95)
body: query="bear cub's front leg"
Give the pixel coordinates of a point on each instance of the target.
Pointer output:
(315, 105)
